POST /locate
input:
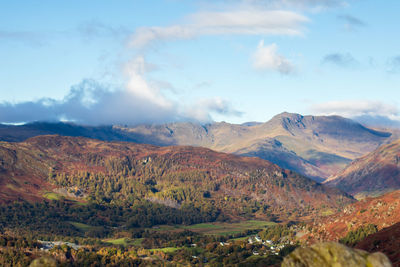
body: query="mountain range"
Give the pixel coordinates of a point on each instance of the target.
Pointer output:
(63, 178)
(315, 146)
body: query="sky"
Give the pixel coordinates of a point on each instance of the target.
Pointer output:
(131, 61)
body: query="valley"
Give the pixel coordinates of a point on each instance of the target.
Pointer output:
(171, 133)
(73, 200)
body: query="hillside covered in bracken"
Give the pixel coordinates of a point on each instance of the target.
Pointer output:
(357, 220)
(116, 173)
(203, 133)
(371, 175)
(386, 241)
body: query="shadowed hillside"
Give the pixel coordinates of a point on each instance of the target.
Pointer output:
(386, 241)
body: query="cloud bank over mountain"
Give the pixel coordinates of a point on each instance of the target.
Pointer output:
(374, 113)
(137, 101)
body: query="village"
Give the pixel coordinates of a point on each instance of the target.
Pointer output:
(48, 245)
(268, 246)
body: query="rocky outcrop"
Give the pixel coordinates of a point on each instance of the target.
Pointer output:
(44, 262)
(334, 254)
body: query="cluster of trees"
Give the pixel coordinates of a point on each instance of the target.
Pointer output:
(55, 217)
(182, 178)
(14, 257)
(355, 236)
(20, 242)
(276, 232)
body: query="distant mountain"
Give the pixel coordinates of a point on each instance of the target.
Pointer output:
(120, 172)
(315, 146)
(373, 174)
(382, 212)
(378, 121)
(18, 133)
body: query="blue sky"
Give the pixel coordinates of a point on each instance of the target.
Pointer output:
(113, 62)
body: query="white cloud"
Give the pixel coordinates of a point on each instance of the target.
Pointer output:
(202, 109)
(138, 100)
(138, 86)
(357, 108)
(243, 22)
(267, 58)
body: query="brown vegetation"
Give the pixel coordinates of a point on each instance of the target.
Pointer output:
(115, 171)
(382, 212)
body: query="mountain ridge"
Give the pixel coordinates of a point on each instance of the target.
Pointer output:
(315, 146)
(373, 174)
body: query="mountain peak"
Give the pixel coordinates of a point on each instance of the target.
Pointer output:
(286, 114)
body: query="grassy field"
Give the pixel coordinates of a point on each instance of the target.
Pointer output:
(166, 250)
(52, 196)
(81, 226)
(327, 212)
(244, 238)
(218, 228)
(124, 241)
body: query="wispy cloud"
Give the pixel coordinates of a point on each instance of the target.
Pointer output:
(351, 23)
(97, 29)
(313, 4)
(202, 109)
(393, 64)
(138, 100)
(340, 59)
(266, 58)
(357, 108)
(88, 30)
(203, 84)
(233, 22)
(23, 37)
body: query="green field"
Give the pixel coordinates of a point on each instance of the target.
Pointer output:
(81, 226)
(166, 250)
(327, 212)
(244, 238)
(124, 241)
(218, 228)
(52, 196)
